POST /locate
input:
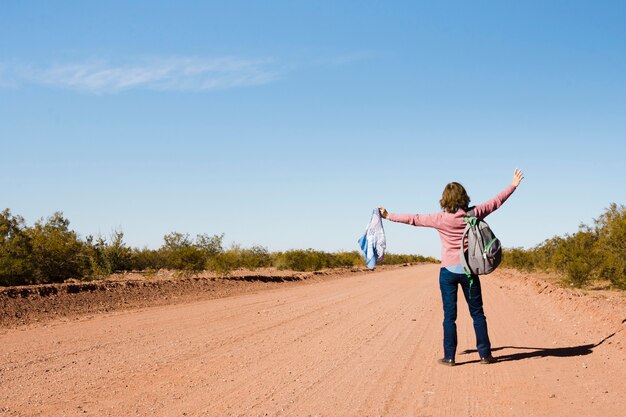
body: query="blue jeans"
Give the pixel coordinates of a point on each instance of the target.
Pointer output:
(449, 284)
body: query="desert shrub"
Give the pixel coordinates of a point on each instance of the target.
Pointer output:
(571, 256)
(575, 257)
(345, 259)
(106, 257)
(254, 257)
(210, 245)
(117, 253)
(592, 253)
(57, 252)
(184, 254)
(611, 245)
(297, 260)
(312, 260)
(518, 258)
(396, 259)
(544, 254)
(147, 259)
(15, 251)
(301, 260)
(98, 263)
(223, 263)
(181, 253)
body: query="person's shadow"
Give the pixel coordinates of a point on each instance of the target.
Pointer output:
(535, 352)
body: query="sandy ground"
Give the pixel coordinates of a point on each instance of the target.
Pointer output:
(42, 303)
(362, 345)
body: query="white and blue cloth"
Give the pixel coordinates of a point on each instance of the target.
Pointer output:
(373, 243)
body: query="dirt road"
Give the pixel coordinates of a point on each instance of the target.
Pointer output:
(364, 345)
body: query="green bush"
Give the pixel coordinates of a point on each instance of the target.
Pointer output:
(396, 259)
(611, 245)
(210, 245)
(98, 262)
(182, 254)
(300, 260)
(346, 259)
(15, 251)
(254, 257)
(297, 260)
(575, 257)
(106, 257)
(57, 253)
(147, 260)
(312, 260)
(592, 253)
(117, 253)
(518, 258)
(223, 263)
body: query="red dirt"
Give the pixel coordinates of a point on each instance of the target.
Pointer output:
(362, 345)
(40, 303)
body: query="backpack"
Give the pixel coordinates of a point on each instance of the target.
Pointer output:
(484, 250)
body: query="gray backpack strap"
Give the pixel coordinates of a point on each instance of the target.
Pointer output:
(469, 214)
(462, 256)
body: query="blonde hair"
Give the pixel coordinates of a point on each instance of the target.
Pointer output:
(454, 197)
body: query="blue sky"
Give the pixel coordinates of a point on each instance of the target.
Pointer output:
(283, 123)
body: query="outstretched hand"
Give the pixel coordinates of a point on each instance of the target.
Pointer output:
(383, 212)
(518, 176)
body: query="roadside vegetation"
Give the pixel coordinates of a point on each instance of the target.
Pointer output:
(50, 251)
(595, 252)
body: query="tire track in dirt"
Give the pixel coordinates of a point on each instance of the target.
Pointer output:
(164, 357)
(354, 332)
(264, 351)
(371, 349)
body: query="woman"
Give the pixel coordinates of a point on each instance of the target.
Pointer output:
(450, 225)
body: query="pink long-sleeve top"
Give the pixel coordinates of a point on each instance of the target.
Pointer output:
(451, 225)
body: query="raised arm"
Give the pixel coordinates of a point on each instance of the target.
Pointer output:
(483, 210)
(424, 220)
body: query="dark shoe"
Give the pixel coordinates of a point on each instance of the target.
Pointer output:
(447, 362)
(487, 360)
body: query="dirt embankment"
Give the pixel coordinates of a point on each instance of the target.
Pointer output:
(39, 303)
(601, 310)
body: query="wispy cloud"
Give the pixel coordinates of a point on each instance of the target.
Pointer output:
(6, 80)
(163, 74)
(348, 58)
